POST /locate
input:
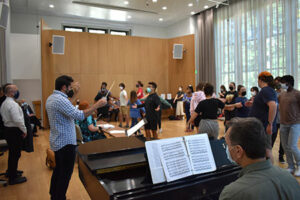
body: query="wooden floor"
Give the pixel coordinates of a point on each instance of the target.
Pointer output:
(38, 175)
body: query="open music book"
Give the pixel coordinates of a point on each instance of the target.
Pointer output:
(175, 158)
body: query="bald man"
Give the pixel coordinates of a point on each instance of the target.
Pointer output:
(14, 132)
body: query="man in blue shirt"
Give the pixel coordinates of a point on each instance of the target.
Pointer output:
(264, 107)
(61, 114)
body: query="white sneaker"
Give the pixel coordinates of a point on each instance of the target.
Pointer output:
(160, 130)
(297, 171)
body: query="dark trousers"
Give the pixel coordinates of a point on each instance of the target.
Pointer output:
(34, 120)
(65, 159)
(14, 141)
(274, 136)
(159, 119)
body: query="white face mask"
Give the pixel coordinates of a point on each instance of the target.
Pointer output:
(121, 88)
(284, 86)
(253, 93)
(180, 89)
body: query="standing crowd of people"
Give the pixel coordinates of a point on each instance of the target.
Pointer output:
(251, 127)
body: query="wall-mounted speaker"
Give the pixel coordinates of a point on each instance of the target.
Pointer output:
(4, 10)
(177, 51)
(58, 44)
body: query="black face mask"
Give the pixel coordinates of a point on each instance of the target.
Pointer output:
(70, 93)
(231, 88)
(17, 94)
(244, 93)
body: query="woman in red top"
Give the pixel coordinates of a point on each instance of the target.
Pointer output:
(140, 92)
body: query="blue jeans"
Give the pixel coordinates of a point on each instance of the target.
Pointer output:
(289, 135)
(134, 121)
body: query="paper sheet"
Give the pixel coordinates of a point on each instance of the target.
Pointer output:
(116, 131)
(200, 153)
(169, 96)
(156, 169)
(135, 128)
(106, 126)
(163, 96)
(174, 158)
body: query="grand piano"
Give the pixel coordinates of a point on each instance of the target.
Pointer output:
(117, 168)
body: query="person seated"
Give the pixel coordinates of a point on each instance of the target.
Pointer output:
(259, 179)
(33, 119)
(88, 126)
(113, 110)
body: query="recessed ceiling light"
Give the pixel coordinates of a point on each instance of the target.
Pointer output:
(164, 8)
(192, 13)
(205, 7)
(190, 4)
(154, 1)
(51, 6)
(126, 2)
(129, 17)
(161, 19)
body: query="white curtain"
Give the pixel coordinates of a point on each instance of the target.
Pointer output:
(252, 36)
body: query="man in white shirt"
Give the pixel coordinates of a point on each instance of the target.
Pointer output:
(14, 131)
(123, 106)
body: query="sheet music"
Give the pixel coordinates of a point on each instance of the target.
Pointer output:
(163, 96)
(106, 126)
(174, 158)
(116, 131)
(135, 128)
(169, 96)
(156, 169)
(200, 153)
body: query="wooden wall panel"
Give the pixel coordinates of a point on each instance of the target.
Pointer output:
(182, 72)
(94, 58)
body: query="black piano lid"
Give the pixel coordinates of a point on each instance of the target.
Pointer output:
(137, 185)
(139, 179)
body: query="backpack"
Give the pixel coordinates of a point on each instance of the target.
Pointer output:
(50, 159)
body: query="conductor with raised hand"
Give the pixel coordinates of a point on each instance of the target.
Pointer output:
(61, 114)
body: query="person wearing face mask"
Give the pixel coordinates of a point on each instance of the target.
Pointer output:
(289, 104)
(275, 132)
(241, 109)
(264, 107)
(187, 105)
(139, 92)
(14, 131)
(229, 110)
(254, 91)
(124, 113)
(258, 179)
(103, 112)
(223, 91)
(152, 106)
(179, 103)
(62, 115)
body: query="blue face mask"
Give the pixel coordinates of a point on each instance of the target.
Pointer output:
(229, 156)
(148, 89)
(17, 94)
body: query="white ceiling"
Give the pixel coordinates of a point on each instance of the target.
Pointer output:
(176, 10)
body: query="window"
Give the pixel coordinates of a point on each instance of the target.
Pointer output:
(254, 36)
(74, 29)
(123, 33)
(99, 31)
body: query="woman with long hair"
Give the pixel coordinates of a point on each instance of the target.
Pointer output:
(135, 113)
